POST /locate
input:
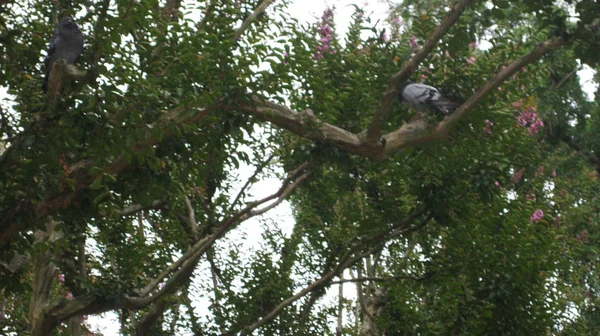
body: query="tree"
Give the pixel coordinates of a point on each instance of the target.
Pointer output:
(117, 189)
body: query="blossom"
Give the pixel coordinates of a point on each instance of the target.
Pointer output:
(423, 77)
(497, 184)
(488, 126)
(397, 21)
(69, 295)
(385, 37)
(447, 53)
(326, 32)
(414, 42)
(537, 216)
(529, 118)
(61, 277)
(517, 176)
(473, 45)
(554, 173)
(471, 60)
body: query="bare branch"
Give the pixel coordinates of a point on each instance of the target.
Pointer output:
(565, 78)
(345, 262)
(389, 97)
(250, 180)
(382, 279)
(251, 18)
(191, 216)
(205, 243)
(133, 209)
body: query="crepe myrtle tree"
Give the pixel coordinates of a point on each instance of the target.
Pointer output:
(118, 191)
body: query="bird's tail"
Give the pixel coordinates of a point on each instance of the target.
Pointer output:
(445, 105)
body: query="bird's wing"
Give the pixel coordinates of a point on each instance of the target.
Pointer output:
(420, 94)
(51, 49)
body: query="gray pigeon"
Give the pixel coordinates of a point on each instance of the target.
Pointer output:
(66, 43)
(425, 97)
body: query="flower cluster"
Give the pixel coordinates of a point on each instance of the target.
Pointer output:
(326, 32)
(537, 216)
(528, 117)
(488, 126)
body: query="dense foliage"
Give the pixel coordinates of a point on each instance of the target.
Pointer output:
(122, 193)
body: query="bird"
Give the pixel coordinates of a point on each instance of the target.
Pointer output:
(426, 97)
(66, 43)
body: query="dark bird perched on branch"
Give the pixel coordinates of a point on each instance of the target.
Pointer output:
(66, 43)
(425, 97)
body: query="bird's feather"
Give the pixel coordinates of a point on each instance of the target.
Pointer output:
(66, 43)
(426, 96)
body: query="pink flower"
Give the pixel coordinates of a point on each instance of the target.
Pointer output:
(447, 53)
(385, 37)
(537, 216)
(499, 89)
(471, 60)
(523, 69)
(326, 32)
(414, 42)
(497, 184)
(473, 45)
(517, 176)
(554, 173)
(69, 295)
(423, 78)
(397, 21)
(517, 104)
(503, 67)
(61, 277)
(488, 126)
(536, 126)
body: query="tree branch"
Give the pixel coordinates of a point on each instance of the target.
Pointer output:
(382, 279)
(250, 180)
(251, 18)
(206, 242)
(389, 97)
(133, 209)
(345, 262)
(416, 133)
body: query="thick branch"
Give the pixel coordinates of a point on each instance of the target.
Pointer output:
(389, 97)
